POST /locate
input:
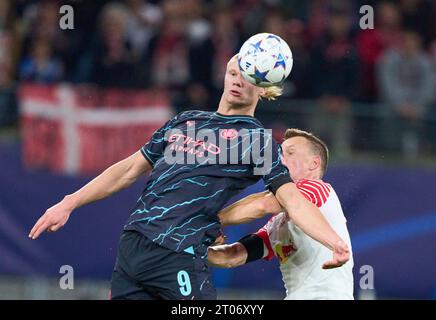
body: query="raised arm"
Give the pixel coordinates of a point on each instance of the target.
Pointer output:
(309, 219)
(252, 207)
(113, 179)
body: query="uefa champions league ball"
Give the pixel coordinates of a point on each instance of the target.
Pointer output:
(265, 60)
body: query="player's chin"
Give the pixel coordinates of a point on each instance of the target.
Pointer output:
(237, 102)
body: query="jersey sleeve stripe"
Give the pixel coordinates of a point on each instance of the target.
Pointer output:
(146, 156)
(311, 194)
(319, 188)
(323, 186)
(305, 194)
(263, 234)
(315, 194)
(312, 190)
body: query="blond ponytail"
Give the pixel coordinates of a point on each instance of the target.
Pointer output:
(271, 93)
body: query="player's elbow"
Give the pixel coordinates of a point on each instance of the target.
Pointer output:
(260, 208)
(268, 204)
(237, 255)
(218, 256)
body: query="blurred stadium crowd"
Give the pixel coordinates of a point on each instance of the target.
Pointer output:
(341, 72)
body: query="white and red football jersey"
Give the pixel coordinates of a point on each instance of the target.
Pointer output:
(301, 258)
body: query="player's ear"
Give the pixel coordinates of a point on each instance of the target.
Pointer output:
(262, 92)
(315, 163)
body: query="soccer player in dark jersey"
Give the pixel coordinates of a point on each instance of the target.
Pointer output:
(197, 161)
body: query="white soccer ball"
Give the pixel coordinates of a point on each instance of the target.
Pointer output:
(265, 60)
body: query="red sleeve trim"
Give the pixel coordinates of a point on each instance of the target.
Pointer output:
(315, 191)
(263, 234)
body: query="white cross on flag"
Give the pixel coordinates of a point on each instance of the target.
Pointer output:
(83, 130)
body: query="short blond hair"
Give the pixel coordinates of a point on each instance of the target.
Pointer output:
(318, 146)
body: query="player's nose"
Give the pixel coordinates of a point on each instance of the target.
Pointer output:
(238, 80)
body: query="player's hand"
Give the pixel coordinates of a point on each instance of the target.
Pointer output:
(341, 254)
(52, 220)
(221, 239)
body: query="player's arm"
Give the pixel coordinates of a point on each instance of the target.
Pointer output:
(227, 255)
(252, 207)
(113, 179)
(309, 219)
(247, 249)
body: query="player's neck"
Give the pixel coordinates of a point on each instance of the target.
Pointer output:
(315, 178)
(311, 176)
(229, 110)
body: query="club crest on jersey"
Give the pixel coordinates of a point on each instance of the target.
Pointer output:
(229, 134)
(284, 251)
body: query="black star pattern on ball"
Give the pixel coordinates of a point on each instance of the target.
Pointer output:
(259, 76)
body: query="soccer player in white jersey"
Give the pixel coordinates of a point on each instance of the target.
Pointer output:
(301, 258)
